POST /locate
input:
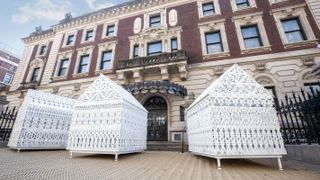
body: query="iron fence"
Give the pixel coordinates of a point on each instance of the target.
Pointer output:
(299, 116)
(7, 119)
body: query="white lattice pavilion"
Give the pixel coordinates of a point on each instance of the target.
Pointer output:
(108, 120)
(234, 118)
(42, 122)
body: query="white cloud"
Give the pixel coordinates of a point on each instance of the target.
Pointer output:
(52, 10)
(96, 6)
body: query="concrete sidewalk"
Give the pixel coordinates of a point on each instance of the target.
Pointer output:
(147, 165)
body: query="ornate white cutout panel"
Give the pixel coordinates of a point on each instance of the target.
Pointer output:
(234, 117)
(42, 122)
(109, 120)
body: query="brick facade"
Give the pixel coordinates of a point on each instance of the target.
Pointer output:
(285, 67)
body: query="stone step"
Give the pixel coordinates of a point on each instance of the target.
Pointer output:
(165, 146)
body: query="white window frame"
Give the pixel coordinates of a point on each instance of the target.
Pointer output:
(74, 33)
(61, 56)
(109, 46)
(105, 28)
(296, 11)
(247, 20)
(81, 52)
(214, 26)
(84, 33)
(215, 4)
(163, 17)
(252, 4)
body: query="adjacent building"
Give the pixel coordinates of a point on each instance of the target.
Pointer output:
(167, 52)
(8, 66)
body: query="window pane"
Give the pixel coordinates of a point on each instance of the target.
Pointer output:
(110, 30)
(106, 56)
(252, 43)
(35, 74)
(83, 64)
(154, 48)
(174, 45)
(155, 21)
(242, 3)
(89, 35)
(214, 48)
(135, 50)
(294, 37)
(63, 67)
(208, 9)
(251, 31)
(42, 50)
(106, 60)
(64, 63)
(290, 25)
(70, 39)
(213, 38)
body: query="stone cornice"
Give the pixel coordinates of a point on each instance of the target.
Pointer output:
(39, 36)
(103, 14)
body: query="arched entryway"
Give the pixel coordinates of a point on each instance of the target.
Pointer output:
(157, 118)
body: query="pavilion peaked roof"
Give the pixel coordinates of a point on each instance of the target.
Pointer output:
(235, 83)
(104, 89)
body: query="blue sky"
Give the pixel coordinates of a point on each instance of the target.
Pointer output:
(18, 18)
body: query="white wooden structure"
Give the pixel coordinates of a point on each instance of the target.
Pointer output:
(42, 122)
(234, 118)
(107, 120)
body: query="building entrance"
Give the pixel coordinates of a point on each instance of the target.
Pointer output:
(157, 118)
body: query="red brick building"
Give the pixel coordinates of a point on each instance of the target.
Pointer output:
(166, 52)
(8, 66)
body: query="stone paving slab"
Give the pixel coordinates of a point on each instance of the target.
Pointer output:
(148, 165)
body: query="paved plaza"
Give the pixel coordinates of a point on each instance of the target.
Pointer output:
(148, 165)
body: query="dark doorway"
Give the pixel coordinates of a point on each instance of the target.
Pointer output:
(157, 118)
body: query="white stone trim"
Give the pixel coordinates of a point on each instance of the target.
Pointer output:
(252, 4)
(296, 11)
(109, 46)
(81, 52)
(214, 26)
(215, 4)
(258, 58)
(47, 74)
(137, 25)
(173, 17)
(105, 28)
(251, 19)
